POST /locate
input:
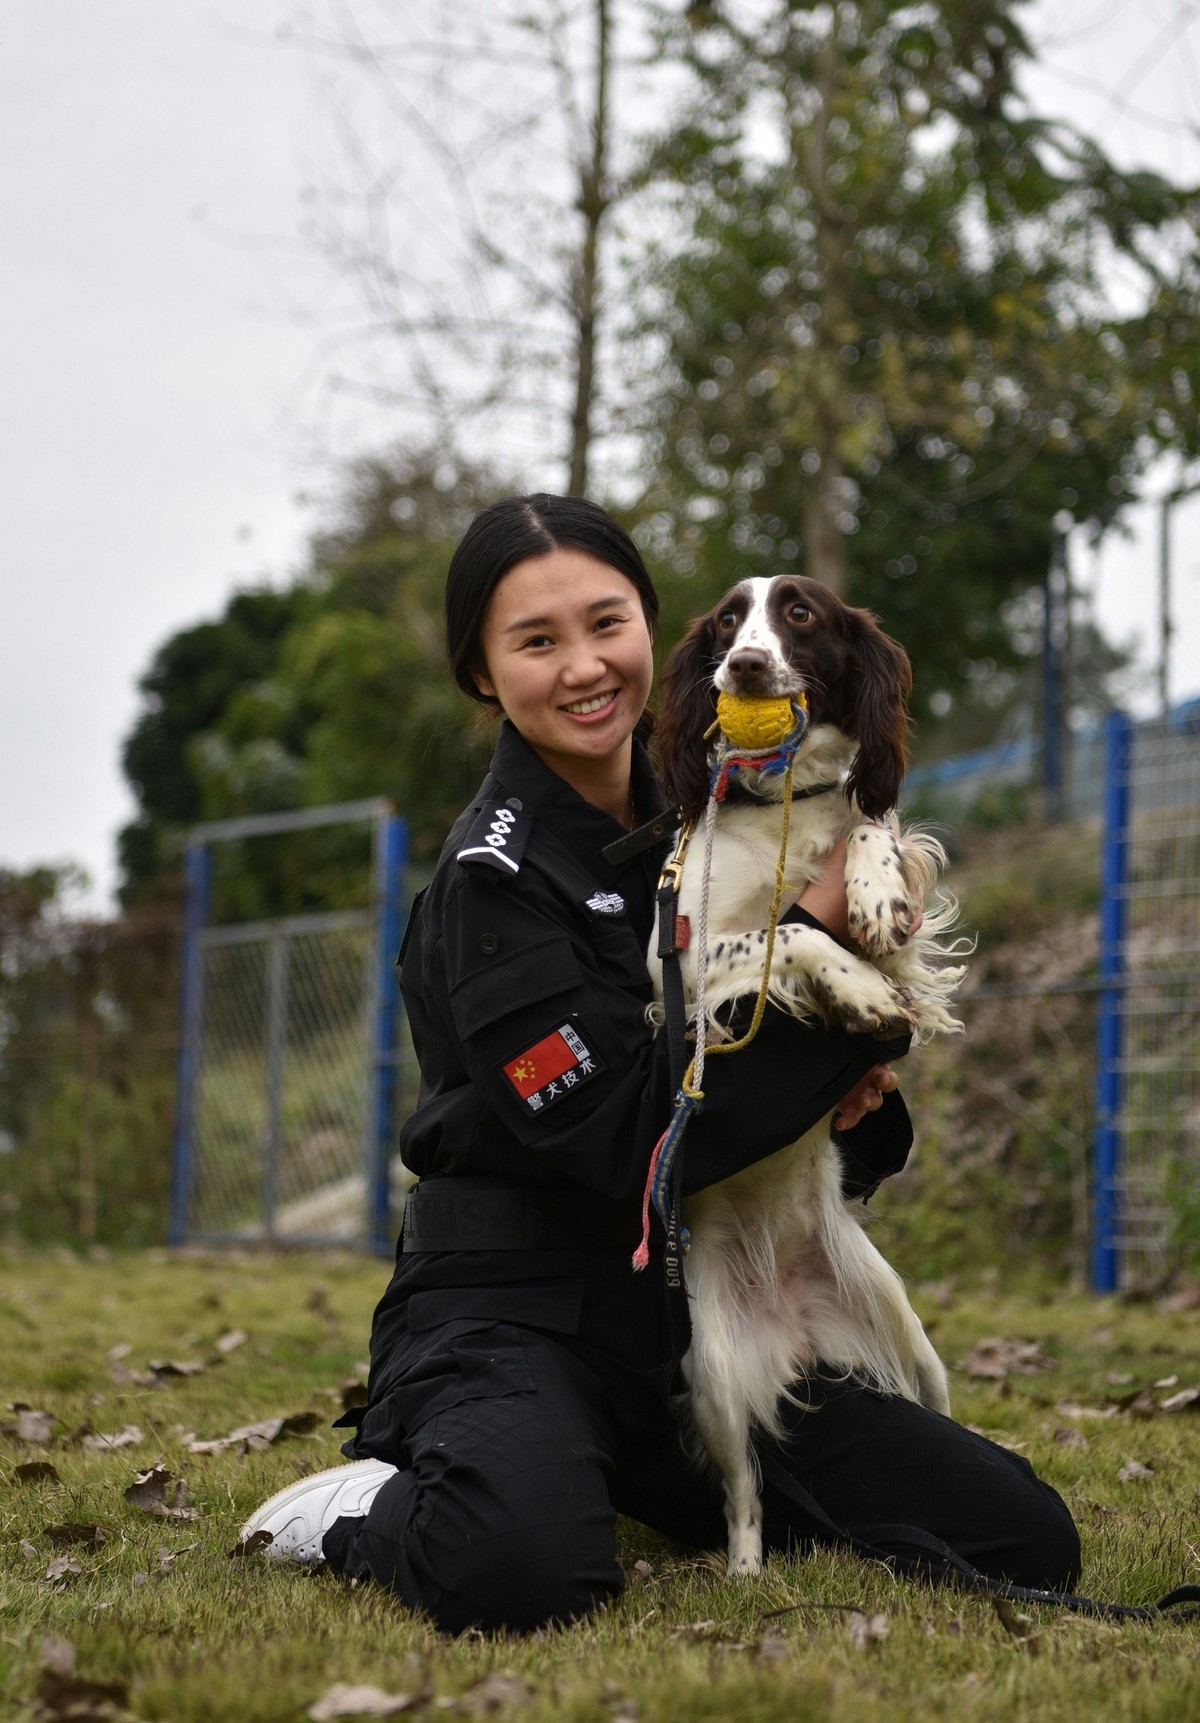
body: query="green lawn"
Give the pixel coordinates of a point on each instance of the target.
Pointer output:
(159, 1606)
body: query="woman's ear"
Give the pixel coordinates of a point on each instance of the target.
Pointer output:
(479, 677)
(687, 704)
(880, 717)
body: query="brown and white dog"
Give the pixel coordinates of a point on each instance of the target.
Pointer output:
(780, 1273)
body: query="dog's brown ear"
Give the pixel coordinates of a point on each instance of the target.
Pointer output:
(687, 704)
(880, 717)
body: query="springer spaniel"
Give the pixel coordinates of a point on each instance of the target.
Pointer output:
(781, 1275)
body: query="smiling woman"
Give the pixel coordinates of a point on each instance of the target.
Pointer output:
(522, 1374)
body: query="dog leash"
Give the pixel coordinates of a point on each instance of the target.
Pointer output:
(689, 1094)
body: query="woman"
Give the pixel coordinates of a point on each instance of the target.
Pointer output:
(522, 1374)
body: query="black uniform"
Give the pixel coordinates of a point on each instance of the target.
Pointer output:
(521, 1371)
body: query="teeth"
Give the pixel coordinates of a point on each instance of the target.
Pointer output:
(583, 707)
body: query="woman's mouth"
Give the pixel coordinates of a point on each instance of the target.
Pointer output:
(594, 706)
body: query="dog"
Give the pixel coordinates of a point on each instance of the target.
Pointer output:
(780, 1274)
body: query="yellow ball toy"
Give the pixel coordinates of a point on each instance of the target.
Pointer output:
(757, 724)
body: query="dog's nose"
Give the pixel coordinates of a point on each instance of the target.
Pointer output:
(747, 664)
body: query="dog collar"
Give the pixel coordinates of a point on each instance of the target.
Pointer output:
(739, 791)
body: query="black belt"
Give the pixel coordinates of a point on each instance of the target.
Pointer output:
(490, 1214)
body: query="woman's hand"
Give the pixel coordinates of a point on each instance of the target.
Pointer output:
(826, 896)
(866, 1096)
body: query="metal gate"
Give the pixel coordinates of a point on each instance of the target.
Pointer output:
(289, 1054)
(1147, 1200)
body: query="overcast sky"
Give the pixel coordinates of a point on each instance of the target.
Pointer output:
(152, 392)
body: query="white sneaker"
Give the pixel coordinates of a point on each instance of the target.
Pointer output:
(298, 1518)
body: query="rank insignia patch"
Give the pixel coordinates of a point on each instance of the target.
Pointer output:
(551, 1068)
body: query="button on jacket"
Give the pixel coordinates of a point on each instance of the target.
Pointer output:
(523, 972)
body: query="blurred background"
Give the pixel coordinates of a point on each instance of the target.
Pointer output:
(905, 296)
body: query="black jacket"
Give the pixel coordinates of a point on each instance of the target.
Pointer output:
(523, 971)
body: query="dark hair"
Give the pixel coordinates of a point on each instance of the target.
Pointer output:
(511, 531)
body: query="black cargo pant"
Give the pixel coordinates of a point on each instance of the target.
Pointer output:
(503, 1510)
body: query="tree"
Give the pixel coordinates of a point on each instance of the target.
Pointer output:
(462, 214)
(889, 353)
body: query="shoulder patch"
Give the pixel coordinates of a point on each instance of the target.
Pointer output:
(498, 837)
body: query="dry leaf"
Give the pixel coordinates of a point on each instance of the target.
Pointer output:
(1186, 1397)
(230, 1341)
(994, 1358)
(345, 1699)
(152, 1492)
(56, 1654)
(1069, 1437)
(28, 1550)
(261, 1435)
(772, 1648)
(162, 1367)
(1133, 1469)
(639, 1573)
(1140, 1404)
(251, 1546)
(1118, 1378)
(352, 1393)
(1071, 1409)
(36, 1471)
(866, 1630)
(74, 1532)
(129, 1437)
(66, 1696)
(1167, 1382)
(1011, 1619)
(492, 1691)
(61, 1569)
(31, 1425)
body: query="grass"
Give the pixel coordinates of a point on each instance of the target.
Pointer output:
(201, 1637)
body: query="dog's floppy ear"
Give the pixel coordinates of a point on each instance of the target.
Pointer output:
(880, 720)
(687, 704)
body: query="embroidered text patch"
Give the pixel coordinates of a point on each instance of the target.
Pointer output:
(551, 1068)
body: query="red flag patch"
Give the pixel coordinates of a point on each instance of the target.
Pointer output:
(551, 1068)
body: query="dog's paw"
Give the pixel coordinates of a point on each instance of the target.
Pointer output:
(862, 1000)
(881, 914)
(745, 1551)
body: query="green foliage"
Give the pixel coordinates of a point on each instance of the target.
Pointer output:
(889, 359)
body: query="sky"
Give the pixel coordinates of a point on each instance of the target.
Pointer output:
(156, 395)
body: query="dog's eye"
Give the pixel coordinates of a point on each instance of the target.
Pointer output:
(799, 613)
(727, 619)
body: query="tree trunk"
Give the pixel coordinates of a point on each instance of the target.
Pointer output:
(593, 203)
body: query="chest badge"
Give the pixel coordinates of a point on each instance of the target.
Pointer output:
(606, 903)
(551, 1068)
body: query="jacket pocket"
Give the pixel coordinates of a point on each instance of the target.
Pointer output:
(554, 1307)
(539, 971)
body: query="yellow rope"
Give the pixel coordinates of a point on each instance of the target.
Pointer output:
(760, 1004)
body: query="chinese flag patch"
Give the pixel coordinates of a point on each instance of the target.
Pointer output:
(551, 1068)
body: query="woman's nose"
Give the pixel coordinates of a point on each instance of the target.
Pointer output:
(583, 665)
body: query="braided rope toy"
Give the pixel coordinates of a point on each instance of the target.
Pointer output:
(738, 718)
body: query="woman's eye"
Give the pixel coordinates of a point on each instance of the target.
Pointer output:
(538, 640)
(610, 622)
(799, 613)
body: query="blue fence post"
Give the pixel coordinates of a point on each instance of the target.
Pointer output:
(391, 859)
(197, 875)
(1114, 864)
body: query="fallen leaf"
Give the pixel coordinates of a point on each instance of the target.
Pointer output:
(255, 1542)
(492, 1691)
(692, 1629)
(345, 1699)
(161, 1367)
(999, 1437)
(36, 1471)
(1140, 1404)
(1118, 1378)
(1133, 1469)
(1071, 1409)
(56, 1654)
(31, 1425)
(28, 1550)
(1069, 1437)
(121, 1350)
(66, 1696)
(129, 1437)
(993, 1359)
(61, 1569)
(639, 1573)
(772, 1648)
(866, 1630)
(352, 1393)
(1011, 1618)
(74, 1532)
(264, 1434)
(1186, 1397)
(1167, 1382)
(158, 1491)
(230, 1341)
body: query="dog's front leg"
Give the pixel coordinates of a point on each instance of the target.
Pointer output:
(812, 976)
(881, 911)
